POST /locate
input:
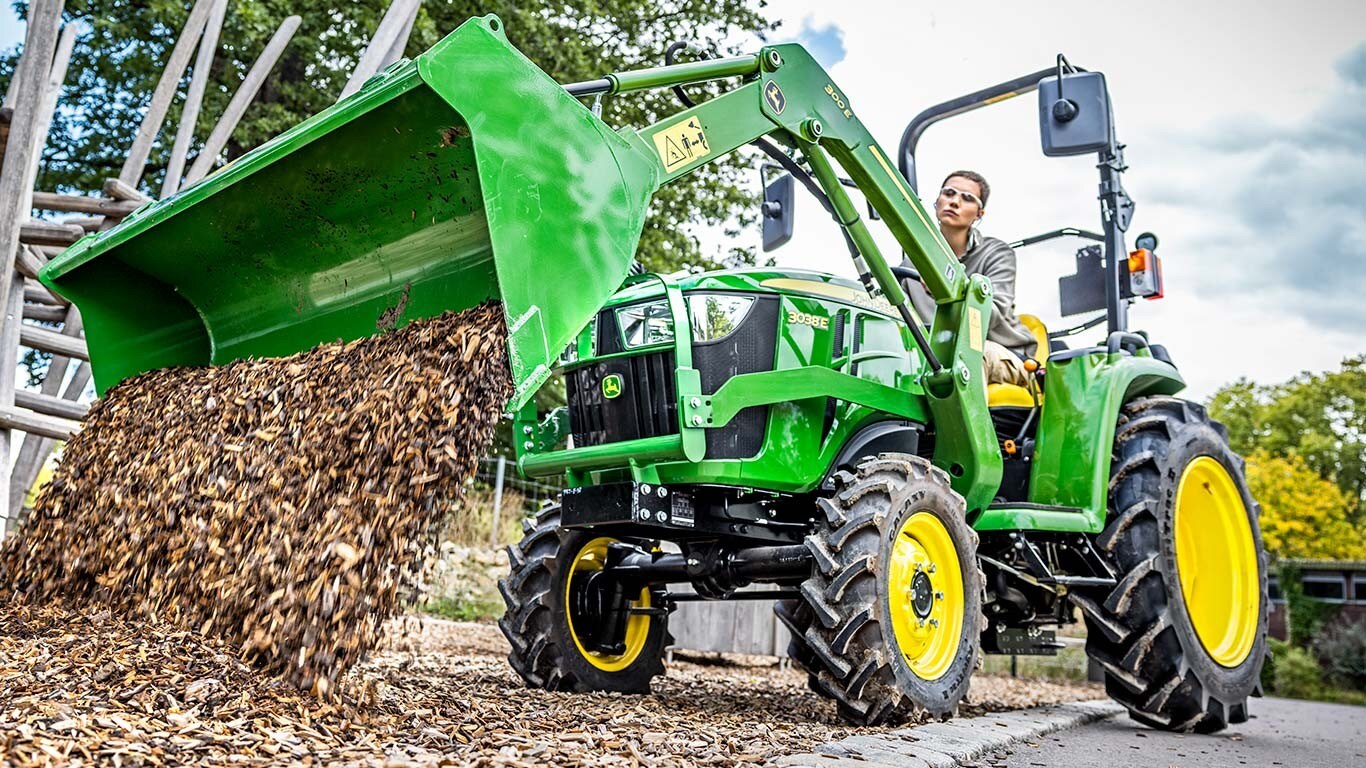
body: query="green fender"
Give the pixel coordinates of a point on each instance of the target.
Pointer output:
(1069, 481)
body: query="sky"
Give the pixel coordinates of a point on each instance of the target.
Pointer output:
(1245, 125)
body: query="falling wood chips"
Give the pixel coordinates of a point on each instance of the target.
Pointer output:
(282, 506)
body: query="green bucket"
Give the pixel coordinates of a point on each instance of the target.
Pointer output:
(465, 175)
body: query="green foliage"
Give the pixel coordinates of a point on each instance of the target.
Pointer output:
(1276, 649)
(1318, 417)
(1305, 616)
(463, 609)
(1303, 515)
(1297, 674)
(118, 60)
(1342, 650)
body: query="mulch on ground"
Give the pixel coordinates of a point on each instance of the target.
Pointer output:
(89, 687)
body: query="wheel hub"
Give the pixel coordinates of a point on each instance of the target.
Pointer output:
(922, 595)
(925, 595)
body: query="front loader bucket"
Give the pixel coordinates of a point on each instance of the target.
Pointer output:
(465, 175)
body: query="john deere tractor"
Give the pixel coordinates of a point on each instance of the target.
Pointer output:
(746, 427)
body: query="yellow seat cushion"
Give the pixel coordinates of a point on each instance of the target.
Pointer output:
(1014, 396)
(1008, 396)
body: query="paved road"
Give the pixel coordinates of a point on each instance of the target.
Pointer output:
(1282, 732)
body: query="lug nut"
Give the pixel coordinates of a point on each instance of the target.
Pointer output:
(938, 595)
(934, 622)
(931, 567)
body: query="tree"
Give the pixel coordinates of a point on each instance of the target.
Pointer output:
(117, 61)
(1318, 417)
(1303, 515)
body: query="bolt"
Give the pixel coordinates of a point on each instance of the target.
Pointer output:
(526, 429)
(697, 421)
(644, 514)
(660, 516)
(921, 622)
(917, 567)
(695, 402)
(932, 567)
(983, 289)
(938, 595)
(662, 492)
(813, 129)
(645, 490)
(964, 374)
(693, 562)
(774, 60)
(528, 445)
(1019, 545)
(934, 622)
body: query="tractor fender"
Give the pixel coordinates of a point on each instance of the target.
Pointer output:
(871, 440)
(1084, 395)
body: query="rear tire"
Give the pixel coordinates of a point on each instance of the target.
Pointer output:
(895, 595)
(540, 628)
(1175, 662)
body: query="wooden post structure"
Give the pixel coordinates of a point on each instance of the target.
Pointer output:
(27, 94)
(54, 410)
(393, 30)
(189, 113)
(164, 93)
(242, 99)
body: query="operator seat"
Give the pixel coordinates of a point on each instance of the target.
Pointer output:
(1012, 395)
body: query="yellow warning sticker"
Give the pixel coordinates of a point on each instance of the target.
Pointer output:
(681, 143)
(975, 337)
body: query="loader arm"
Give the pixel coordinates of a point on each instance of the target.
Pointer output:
(788, 96)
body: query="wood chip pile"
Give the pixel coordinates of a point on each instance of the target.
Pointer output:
(82, 687)
(284, 506)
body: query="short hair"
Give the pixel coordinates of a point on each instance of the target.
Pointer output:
(972, 176)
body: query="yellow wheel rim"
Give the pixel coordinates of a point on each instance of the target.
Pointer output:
(589, 559)
(1216, 561)
(925, 595)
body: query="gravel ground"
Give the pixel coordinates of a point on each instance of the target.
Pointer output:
(81, 688)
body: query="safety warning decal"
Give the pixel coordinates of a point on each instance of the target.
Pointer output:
(682, 143)
(975, 335)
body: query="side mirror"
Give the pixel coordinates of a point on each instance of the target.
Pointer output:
(778, 211)
(1074, 114)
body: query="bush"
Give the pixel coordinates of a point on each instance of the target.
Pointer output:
(1343, 653)
(1297, 674)
(1277, 649)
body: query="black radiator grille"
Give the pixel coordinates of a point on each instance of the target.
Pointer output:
(646, 407)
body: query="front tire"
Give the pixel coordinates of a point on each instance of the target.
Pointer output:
(895, 596)
(1182, 636)
(551, 624)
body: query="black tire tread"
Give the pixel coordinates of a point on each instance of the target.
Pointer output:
(1125, 629)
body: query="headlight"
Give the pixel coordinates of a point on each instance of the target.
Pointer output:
(643, 325)
(717, 315)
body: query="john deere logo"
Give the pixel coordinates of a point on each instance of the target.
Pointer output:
(776, 100)
(611, 386)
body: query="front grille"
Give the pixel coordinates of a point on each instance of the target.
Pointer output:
(646, 407)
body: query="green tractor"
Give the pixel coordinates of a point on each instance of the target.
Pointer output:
(760, 426)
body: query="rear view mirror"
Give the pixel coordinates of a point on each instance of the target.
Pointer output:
(1074, 114)
(778, 211)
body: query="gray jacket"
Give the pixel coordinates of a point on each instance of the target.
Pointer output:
(996, 260)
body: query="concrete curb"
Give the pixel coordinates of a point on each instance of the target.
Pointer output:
(945, 745)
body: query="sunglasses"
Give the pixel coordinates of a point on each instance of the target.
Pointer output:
(949, 193)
